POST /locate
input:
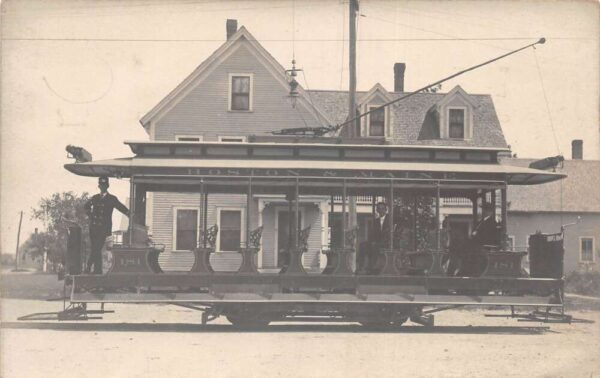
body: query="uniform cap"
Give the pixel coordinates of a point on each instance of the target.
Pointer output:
(103, 180)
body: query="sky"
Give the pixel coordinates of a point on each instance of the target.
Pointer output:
(84, 72)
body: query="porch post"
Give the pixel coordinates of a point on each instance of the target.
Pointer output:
(391, 215)
(415, 213)
(205, 214)
(324, 226)
(344, 214)
(493, 201)
(140, 205)
(261, 208)
(297, 214)
(290, 223)
(248, 204)
(474, 200)
(201, 226)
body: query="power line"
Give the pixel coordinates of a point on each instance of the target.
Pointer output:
(456, 39)
(546, 100)
(324, 130)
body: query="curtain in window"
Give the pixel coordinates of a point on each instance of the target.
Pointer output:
(457, 123)
(187, 226)
(377, 123)
(240, 93)
(230, 234)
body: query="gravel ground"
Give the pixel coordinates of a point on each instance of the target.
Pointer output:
(168, 341)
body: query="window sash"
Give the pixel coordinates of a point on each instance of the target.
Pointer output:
(587, 249)
(456, 123)
(240, 93)
(377, 122)
(186, 229)
(230, 234)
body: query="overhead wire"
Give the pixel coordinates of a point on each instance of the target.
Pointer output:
(539, 71)
(60, 39)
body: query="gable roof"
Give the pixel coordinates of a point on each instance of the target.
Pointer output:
(214, 59)
(456, 92)
(414, 119)
(414, 122)
(377, 89)
(578, 192)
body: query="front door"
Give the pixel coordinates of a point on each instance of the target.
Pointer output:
(283, 236)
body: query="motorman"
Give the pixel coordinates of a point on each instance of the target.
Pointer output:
(99, 209)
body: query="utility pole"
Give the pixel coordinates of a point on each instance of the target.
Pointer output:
(353, 9)
(352, 129)
(18, 240)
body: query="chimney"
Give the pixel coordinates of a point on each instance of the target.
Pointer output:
(231, 27)
(577, 149)
(399, 69)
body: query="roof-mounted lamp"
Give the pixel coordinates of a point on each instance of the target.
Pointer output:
(293, 95)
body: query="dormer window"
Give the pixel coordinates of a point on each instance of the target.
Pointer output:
(376, 122)
(240, 92)
(454, 113)
(456, 123)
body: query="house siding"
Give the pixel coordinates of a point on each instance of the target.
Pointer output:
(204, 110)
(521, 225)
(164, 205)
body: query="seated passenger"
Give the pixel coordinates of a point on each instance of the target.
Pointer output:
(487, 231)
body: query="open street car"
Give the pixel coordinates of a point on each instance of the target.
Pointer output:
(409, 279)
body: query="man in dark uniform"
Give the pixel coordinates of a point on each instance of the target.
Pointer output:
(99, 209)
(379, 236)
(487, 232)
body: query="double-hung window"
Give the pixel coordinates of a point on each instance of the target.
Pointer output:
(586, 249)
(185, 229)
(240, 92)
(376, 122)
(456, 123)
(230, 230)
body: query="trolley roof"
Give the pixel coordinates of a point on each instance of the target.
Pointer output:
(184, 160)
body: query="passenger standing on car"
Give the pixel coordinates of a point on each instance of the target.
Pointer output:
(379, 237)
(99, 209)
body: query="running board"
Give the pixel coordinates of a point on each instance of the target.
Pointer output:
(418, 299)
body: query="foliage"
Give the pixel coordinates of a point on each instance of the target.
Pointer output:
(434, 89)
(584, 283)
(414, 219)
(58, 212)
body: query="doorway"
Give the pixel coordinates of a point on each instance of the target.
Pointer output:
(283, 235)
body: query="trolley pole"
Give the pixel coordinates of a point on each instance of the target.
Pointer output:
(18, 240)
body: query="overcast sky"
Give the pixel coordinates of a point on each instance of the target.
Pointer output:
(85, 72)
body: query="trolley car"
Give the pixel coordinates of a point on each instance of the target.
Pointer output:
(407, 283)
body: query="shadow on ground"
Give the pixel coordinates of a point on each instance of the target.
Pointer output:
(275, 328)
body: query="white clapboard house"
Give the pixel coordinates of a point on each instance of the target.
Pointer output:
(240, 91)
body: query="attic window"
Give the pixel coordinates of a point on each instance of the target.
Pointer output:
(188, 138)
(376, 122)
(240, 89)
(456, 123)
